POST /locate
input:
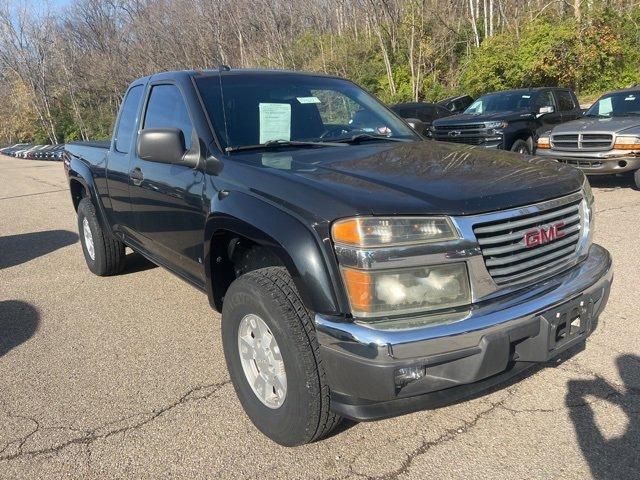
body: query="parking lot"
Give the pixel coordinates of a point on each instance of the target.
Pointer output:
(125, 376)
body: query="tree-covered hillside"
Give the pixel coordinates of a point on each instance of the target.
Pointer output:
(63, 71)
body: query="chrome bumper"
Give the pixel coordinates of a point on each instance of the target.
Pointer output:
(361, 361)
(594, 163)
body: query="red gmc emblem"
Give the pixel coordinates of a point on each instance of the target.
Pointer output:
(544, 234)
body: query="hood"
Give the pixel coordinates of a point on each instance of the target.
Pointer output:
(466, 118)
(424, 177)
(600, 125)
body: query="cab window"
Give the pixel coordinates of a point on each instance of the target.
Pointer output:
(565, 100)
(127, 120)
(166, 109)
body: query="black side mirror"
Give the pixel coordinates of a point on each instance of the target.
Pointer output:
(418, 125)
(162, 145)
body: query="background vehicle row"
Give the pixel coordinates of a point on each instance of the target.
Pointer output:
(36, 152)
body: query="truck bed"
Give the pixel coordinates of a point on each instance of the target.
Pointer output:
(91, 152)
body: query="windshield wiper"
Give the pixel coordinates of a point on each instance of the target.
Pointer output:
(597, 115)
(368, 136)
(282, 143)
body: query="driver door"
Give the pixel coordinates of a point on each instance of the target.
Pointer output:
(167, 198)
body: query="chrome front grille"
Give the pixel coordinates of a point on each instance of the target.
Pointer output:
(526, 247)
(582, 141)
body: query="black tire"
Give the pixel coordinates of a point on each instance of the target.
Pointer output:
(109, 253)
(304, 416)
(522, 147)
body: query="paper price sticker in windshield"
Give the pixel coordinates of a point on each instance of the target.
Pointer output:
(526, 96)
(308, 100)
(275, 121)
(629, 98)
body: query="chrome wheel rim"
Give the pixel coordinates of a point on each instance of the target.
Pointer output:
(262, 361)
(88, 239)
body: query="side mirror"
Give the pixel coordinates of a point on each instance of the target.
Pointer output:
(162, 145)
(418, 125)
(545, 110)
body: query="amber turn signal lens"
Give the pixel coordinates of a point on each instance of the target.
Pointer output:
(544, 146)
(347, 231)
(359, 286)
(626, 146)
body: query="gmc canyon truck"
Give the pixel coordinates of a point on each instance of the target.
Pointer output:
(361, 271)
(509, 120)
(606, 140)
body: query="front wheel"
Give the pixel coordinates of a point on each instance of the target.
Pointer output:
(521, 146)
(273, 358)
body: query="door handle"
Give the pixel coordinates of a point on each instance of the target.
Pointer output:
(136, 175)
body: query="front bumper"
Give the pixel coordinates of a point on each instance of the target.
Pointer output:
(494, 341)
(594, 163)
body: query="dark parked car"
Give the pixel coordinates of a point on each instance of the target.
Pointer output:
(361, 272)
(420, 115)
(11, 151)
(509, 120)
(41, 153)
(56, 152)
(456, 104)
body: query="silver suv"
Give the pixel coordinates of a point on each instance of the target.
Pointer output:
(605, 140)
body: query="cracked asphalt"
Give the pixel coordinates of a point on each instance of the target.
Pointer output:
(124, 377)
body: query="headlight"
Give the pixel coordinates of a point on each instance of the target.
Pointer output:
(389, 231)
(627, 142)
(496, 124)
(376, 293)
(544, 142)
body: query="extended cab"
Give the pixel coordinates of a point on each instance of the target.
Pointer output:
(606, 140)
(361, 271)
(509, 120)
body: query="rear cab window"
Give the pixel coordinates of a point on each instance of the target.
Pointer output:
(127, 119)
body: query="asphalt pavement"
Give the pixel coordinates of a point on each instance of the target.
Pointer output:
(124, 377)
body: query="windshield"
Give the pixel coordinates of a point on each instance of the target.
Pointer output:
(252, 109)
(616, 105)
(501, 102)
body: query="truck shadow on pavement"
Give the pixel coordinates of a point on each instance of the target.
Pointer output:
(18, 323)
(609, 456)
(23, 247)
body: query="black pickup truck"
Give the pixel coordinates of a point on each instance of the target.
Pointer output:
(361, 271)
(509, 120)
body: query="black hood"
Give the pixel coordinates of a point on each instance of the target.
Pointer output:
(402, 178)
(471, 118)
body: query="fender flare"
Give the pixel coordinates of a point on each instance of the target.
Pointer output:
(297, 246)
(80, 172)
(525, 133)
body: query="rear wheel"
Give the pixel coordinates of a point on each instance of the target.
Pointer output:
(104, 255)
(273, 358)
(521, 146)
